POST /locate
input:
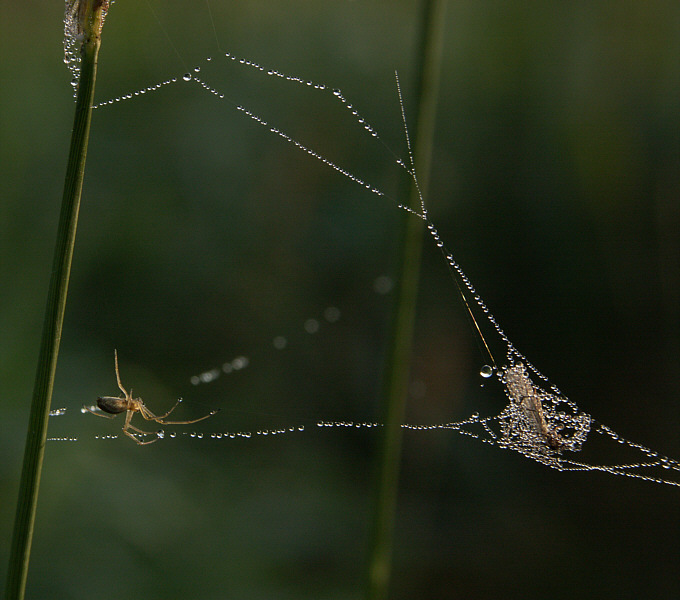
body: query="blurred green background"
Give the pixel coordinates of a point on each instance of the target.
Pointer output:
(202, 237)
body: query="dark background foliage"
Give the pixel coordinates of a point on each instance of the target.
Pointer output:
(202, 237)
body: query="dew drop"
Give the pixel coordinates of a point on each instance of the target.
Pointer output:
(186, 77)
(240, 362)
(332, 314)
(311, 326)
(383, 284)
(486, 371)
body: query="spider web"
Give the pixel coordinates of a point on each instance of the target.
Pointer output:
(539, 422)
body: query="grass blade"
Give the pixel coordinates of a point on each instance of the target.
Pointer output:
(396, 378)
(91, 15)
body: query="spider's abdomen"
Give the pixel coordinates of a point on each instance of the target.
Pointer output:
(112, 405)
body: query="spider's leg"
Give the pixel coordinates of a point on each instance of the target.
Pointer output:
(98, 414)
(167, 413)
(128, 418)
(129, 425)
(163, 422)
(120, 385)
(138, 430)
(146, 413)
(140, 442)
(149, 416)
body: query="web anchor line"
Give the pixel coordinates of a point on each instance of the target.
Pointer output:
(541, 424)
(491, 430)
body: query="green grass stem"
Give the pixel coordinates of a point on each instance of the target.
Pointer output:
(397, 369)
(54, 313)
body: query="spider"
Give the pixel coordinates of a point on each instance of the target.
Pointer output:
(129, 405)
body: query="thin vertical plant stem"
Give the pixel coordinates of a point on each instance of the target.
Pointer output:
(54, 311)
(396, 376)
